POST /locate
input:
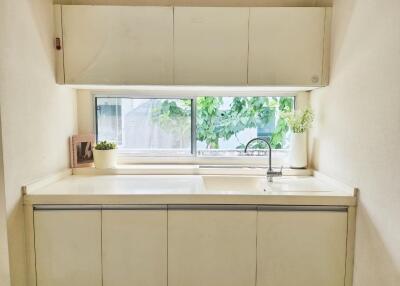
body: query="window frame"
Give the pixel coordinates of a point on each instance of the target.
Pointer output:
(278, 155)
(128, 154)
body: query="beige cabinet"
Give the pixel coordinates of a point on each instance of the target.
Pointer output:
(135, 246)
(139, 45)
(68, 247)
(301, 247)
(288, 46)
(117, 44)
(196, 245)
(211, 246)
(211, 45)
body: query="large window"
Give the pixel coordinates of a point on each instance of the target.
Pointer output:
(201, 126)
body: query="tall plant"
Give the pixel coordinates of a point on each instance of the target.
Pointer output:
(299, 121)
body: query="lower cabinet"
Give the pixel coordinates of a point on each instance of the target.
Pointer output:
(68, 247)
(211, 247)
(135, 247)
(298, 247)
(190, 245)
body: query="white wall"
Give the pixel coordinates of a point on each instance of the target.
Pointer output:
(85, 112)
(357, 135)
(37, 115)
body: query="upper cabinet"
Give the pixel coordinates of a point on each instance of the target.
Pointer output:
(117, 44)
(211, 45)
(132, 45)
(287, 46)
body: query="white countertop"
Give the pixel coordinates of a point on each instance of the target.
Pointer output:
(191, 189)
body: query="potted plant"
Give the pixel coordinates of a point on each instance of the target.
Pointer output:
(299, 122)
(105, 155)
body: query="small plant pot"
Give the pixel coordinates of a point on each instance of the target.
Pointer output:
(298, 151)
(105, 159)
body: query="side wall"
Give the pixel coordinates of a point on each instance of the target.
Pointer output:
(4, 261)
(37, 115)
(357, 135)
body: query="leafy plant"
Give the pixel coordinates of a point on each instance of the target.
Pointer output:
(299, 121)
(105, 145)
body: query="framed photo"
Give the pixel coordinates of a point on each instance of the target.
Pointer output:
(81, 150)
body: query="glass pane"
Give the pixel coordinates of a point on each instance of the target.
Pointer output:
(226, 124)
(146, 126)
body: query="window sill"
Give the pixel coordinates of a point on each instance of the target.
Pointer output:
(279, 159)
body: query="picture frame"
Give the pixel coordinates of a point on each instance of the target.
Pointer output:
(81, 150)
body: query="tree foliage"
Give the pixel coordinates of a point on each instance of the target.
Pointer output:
(215, 123)
(174, 116)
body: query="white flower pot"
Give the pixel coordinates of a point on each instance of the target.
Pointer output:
(105, 159)
(298, 151)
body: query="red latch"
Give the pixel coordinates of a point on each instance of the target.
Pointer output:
(58, 44)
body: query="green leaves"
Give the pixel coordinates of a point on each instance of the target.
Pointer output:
(105, 145)
(174, 116)
(299, 121)
(217, 121)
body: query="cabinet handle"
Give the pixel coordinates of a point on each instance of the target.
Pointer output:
(134, 207)
(99, 207)
(213, 207)
(191, 207)
(65, 207)
(303, 208)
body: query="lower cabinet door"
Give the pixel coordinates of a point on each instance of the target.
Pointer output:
(135, 247)
(211, 247)
(68, 247)
(301, 248)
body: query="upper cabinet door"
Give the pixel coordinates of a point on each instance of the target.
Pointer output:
(117, 44)
(211, 45)
(286, 46)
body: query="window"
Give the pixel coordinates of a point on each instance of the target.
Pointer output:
(225, 124)
(201, 126)
(146, 126)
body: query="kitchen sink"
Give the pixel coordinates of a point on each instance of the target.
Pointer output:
(259, 184)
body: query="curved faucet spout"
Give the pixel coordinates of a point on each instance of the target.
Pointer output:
(269, 150)
(270, 172)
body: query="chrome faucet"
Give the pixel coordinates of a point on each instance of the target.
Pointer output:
(270, 172)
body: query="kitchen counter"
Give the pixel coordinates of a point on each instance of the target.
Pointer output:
(172, 212)
(191, 189)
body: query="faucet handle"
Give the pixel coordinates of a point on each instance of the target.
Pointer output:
(273, 173)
